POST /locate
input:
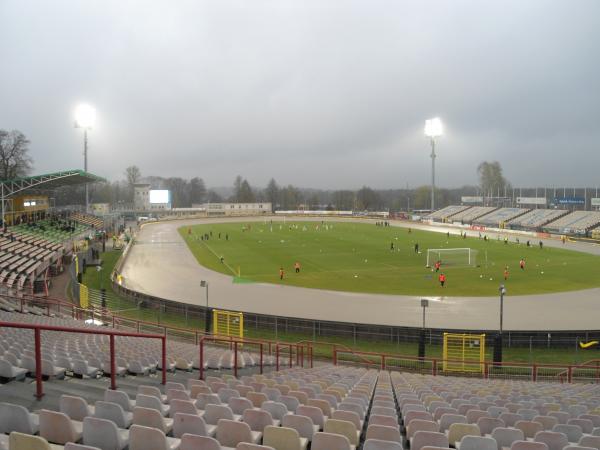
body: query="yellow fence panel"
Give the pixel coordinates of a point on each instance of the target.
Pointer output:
(228, 323)
(464, 352)
(84, 296)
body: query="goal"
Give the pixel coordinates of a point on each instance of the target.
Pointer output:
(452, 256)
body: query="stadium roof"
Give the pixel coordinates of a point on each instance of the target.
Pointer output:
(48, 181)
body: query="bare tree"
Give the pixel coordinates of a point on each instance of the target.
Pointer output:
(14, 155)
(368, 199)
(214, 197)
(246, 193)
(272, 193)
(491, 179)
(180, 192)
(133, 176)
(197, 190)
(237, 188)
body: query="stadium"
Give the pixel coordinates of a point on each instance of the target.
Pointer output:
(154, 313)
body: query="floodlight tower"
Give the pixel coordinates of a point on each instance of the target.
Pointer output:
(85, 117)
(433, 129)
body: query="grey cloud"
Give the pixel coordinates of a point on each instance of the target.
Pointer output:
(325, 94)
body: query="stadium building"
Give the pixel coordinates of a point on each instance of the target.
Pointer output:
(236, 209)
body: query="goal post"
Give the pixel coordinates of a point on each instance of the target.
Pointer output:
(452, 256)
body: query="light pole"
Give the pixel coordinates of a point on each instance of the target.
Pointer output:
(498, 340)
(502, 291)
(85, 117)
(433, 129)
(424, 305)
(204, 284)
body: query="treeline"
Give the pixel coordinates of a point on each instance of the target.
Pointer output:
(185, 193)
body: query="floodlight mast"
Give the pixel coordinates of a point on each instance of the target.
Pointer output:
(433, 129)
(85, 117)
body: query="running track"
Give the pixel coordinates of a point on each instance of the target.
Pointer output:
(160, 264)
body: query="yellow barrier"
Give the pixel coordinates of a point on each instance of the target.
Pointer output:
(464, 352)
(84, 296)
(228, 323)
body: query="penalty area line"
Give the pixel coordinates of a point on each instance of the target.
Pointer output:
(219, 258)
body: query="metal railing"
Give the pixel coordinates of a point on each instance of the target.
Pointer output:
(234, 344)
(60, 307)
(37, 329)
(588, 372)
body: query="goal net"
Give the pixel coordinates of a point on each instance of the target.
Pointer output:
(452, 256)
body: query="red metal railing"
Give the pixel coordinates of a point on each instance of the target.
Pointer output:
(569, 373)
(592, 364)
(234, 344)
(37, 329)
(587, 371)
(44, 303)
(335, 347)
(302, 351)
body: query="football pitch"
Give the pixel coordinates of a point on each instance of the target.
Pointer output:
(357, 257)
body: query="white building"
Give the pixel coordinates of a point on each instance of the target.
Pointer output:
(236, 209)
(147, 199)
(141, 197)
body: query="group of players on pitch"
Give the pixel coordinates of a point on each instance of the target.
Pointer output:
(297, 268)
(437, 265)
(442, 276)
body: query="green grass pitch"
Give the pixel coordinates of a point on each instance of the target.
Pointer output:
(356, 257)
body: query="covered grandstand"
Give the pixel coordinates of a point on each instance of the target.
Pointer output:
(34, 184)
(33, 240)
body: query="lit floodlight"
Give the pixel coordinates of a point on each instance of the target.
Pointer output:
(433, 127)
(85, 116)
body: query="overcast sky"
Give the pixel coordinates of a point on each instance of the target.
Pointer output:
(324, 93)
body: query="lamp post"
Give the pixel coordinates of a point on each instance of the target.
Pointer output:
(433, 129)
(502, 291)
(498, 340)
(424, 305)
(85, 117)
(99, 270)
(204, 284)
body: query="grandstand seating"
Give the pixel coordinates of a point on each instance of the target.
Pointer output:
(87, 219)
(500, 216)
(471, 214)
(536, 218)
(351, 407)
(447, 212)
(49, 230)
(87, 355)
(24, 258)
(578, 222)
